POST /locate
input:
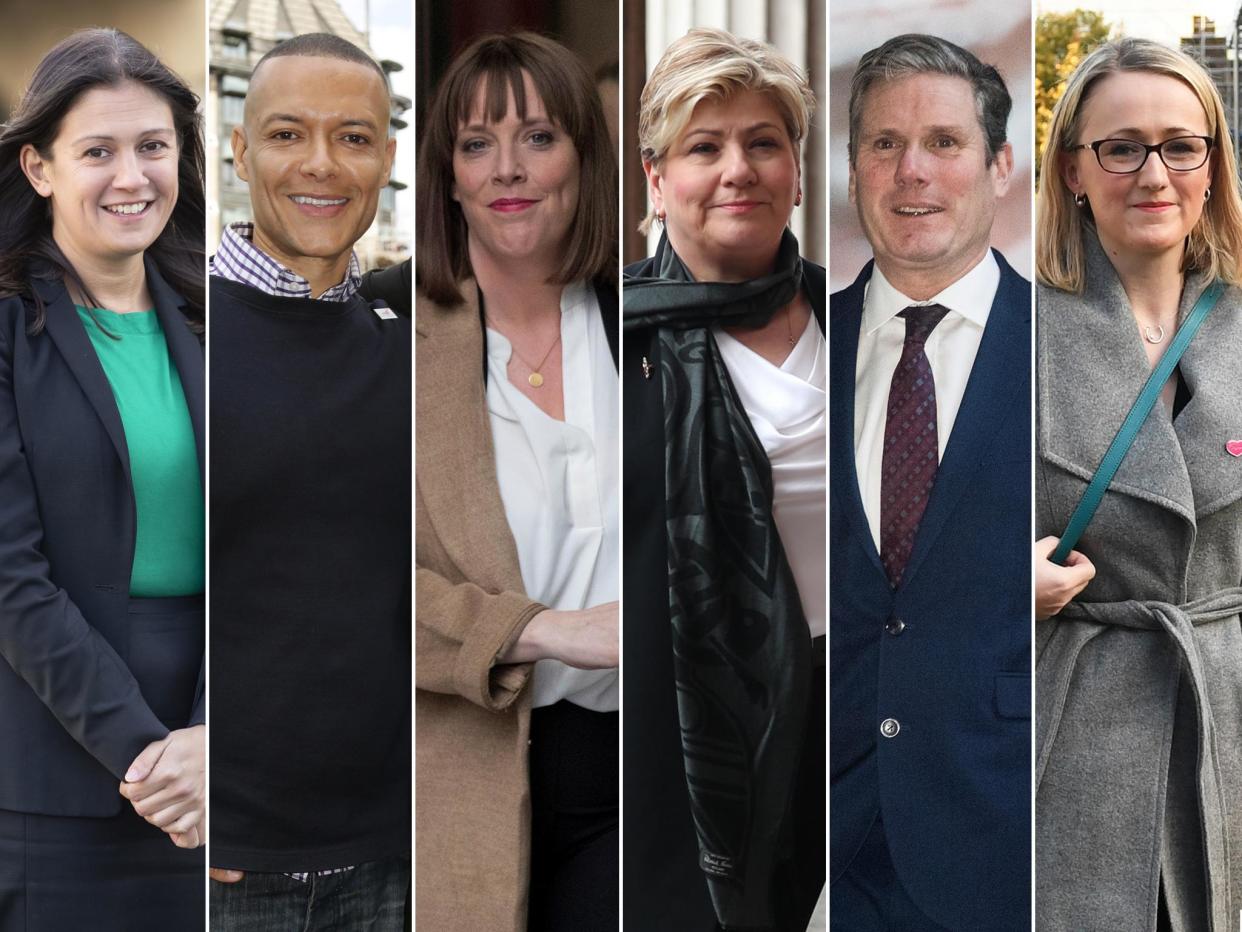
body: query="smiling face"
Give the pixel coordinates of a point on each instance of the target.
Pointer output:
(517, 183)
(1150, 211)
(315, 151)
(111, 177)
(727, 186)
(925, 193)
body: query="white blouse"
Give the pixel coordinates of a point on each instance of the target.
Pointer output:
(559, 482)
(786, 405)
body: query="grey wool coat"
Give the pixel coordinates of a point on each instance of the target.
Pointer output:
(1139, 680)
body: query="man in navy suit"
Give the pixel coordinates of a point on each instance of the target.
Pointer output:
(930, 512)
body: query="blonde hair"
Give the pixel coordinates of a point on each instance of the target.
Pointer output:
(714, 64)
(1215, 243)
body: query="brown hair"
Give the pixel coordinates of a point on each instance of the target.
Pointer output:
(497, 63)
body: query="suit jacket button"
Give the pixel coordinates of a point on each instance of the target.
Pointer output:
(895, 626)
(889, 727)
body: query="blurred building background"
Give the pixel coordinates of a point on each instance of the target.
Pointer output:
(241, 32)
(796, 27)
(172, 29)
(998, 34)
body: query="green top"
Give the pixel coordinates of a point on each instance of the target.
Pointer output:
(170, 549)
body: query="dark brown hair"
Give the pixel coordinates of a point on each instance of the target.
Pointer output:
(86, 60)
(497, 63)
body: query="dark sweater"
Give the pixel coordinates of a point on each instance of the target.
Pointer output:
(309, 582)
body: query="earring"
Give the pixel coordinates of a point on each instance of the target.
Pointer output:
(1207, 195)
(1080, 200)
(660, 218)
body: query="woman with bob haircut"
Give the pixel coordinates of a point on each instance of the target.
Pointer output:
(724, 473)
(101, 503)
(1138, 640)
(517, 507)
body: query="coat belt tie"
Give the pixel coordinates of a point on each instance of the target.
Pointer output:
(1179, 622)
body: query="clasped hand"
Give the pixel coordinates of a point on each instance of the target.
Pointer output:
(166, 785)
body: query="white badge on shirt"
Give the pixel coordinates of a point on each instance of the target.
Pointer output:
(385, 313)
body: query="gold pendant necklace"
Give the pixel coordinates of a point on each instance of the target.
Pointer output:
(535, 379)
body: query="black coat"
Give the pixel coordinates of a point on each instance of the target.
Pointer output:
(72, 715)
(665, 890)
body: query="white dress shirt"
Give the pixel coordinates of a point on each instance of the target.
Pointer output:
(950, 349)
(786, 407)
(559, 482)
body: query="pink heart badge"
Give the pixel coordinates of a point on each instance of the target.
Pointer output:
(1234, 447)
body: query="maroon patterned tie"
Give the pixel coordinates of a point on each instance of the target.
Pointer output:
(911, 446)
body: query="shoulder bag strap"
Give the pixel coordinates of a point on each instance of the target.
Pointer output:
(1142, 406)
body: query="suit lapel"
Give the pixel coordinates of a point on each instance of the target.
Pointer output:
(67, 332)
(185, 350)
(989, 398)
(847, 308)
(456, 462)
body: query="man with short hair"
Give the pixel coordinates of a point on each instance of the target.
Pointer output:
(930, 512)
(310, 516)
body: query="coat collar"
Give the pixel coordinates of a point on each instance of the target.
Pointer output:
(1091, 366)
(66, 330)
(989, 397)
(455, 458)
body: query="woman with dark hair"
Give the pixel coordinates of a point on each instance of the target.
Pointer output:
(101, 504)
(517, 515)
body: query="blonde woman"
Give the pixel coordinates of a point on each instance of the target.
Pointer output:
(723, 384)
(1139, 646)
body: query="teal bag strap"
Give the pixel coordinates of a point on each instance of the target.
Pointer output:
(1142, 406)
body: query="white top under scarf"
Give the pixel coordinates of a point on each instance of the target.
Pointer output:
(559, 483)
(786, 407)
(950, 349)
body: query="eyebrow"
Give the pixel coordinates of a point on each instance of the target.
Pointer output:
(753, 128)
(1169, 131)
(104, 137)
(477, 127)
(928, 131)
(294, 118)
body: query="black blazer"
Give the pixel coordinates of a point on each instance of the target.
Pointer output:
(665, 890)
(72, 715)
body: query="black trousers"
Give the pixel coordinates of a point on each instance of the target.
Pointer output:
(574, 831)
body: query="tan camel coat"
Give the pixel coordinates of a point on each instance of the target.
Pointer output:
(472, 716)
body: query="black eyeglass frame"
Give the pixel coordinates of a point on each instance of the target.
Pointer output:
(1157, 148)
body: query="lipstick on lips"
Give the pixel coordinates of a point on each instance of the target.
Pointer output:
(1154, 207)
(739, 207)
(512, 205)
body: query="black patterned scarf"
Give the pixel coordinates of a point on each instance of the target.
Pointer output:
(741, 646)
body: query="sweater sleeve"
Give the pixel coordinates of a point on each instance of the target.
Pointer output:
(460, 630)
(70, 666)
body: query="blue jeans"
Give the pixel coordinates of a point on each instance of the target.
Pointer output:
(369, 898)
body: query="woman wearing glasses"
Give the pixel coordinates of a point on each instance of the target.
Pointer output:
(1139, 645)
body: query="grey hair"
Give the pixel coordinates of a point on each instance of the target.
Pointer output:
(914, 54)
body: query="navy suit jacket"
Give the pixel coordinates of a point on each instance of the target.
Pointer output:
(72, 715)
(953, 786)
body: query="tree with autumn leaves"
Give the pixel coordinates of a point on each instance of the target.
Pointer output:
(1062, 40)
